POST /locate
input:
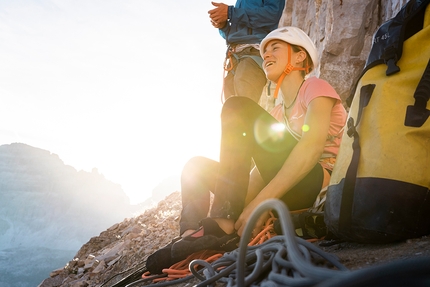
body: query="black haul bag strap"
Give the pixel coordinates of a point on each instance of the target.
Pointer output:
(387, 45)
(418, 114)
(345, 214)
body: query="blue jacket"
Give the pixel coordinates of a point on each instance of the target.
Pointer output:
(251, 20)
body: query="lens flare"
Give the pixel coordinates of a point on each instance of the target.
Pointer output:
(271, 137)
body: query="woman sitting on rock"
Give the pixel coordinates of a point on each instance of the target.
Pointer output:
(292, 150)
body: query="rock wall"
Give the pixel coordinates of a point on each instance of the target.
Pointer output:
(342, 31)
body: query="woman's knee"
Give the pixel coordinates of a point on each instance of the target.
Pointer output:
(235, 109)
(235, 102)
(199, 167)
(192, 165)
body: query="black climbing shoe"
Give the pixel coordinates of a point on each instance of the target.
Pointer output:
(161, 258)
(208, 237)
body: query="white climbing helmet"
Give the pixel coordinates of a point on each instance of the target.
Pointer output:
(294, 36)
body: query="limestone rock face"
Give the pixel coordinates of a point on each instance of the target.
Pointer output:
(342, 31)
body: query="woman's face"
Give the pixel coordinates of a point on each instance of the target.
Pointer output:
(275, 56)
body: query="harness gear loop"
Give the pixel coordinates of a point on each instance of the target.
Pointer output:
(228, 63)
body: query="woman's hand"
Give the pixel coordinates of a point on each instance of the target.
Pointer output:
(246, 215)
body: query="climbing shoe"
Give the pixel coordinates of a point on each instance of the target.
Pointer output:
(161, 259)
(208, 237)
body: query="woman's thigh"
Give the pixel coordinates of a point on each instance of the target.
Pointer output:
(303, 194)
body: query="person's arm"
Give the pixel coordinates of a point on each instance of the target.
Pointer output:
(219, 15)
(253, 17)
(299, 163)
(258, 17)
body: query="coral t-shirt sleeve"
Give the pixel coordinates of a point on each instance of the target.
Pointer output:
(316, 87)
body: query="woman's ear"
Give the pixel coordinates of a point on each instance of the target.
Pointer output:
(300, 57)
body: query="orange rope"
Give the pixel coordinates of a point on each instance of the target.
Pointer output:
(265, 234)
(181, 269)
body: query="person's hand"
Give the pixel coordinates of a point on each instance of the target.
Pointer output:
(218, 25)
(219, 14)
(244, 218)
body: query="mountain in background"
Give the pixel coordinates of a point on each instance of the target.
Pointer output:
(48, 210)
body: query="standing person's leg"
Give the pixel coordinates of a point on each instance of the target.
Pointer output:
(246, 79)
(228, 82)
(197, 181)
(249, 79)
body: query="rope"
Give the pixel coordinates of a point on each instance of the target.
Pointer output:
(204, 258)
(282, 260)
(288, 260)
(181, 269)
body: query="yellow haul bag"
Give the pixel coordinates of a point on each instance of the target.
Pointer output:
(379, 188)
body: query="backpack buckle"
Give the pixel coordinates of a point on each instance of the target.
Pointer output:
(351, 131)
(390, 59)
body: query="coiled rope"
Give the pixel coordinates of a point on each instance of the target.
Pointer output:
(283, 260)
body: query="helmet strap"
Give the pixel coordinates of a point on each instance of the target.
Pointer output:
(288, 69)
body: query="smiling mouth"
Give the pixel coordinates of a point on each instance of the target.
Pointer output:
(269, 64)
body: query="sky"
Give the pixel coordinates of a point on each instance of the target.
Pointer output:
(130, 87)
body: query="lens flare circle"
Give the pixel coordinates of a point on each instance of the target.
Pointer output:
(270, 136)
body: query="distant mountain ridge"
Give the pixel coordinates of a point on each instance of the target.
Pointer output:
(48, 206)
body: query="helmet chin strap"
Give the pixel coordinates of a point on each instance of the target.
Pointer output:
(288, 69)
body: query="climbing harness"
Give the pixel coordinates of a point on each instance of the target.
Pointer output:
(230, 54)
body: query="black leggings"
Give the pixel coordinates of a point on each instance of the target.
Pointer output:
(248, 133)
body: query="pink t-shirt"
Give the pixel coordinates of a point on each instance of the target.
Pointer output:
(311, 89)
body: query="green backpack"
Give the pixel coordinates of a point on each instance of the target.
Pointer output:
(379, 189)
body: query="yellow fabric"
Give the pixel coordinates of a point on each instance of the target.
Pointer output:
(427, 17)
(389, 149)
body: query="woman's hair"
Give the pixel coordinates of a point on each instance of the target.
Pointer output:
(307, 62)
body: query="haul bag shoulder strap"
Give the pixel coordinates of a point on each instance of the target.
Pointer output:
(387, 45)
(418, 114)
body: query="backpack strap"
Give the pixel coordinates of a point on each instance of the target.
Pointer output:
(418, 114)
(345, 214)
(387, 46)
